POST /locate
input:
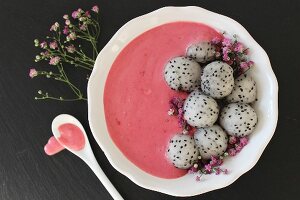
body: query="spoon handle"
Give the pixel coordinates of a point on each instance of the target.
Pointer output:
(93, 164)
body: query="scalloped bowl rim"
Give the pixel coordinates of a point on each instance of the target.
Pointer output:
(266, 106)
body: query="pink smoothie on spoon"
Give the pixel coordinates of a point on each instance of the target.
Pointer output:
(70, 135)
(136, 97)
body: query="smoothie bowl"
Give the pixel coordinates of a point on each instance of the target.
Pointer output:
(129, 95)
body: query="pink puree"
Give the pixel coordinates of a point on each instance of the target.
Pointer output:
(71, 136)
(136, 96)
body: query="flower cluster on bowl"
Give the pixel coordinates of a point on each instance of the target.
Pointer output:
(217, 116)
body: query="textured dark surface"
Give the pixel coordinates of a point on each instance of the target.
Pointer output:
(26, 173)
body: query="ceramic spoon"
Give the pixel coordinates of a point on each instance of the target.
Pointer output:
(70, 134)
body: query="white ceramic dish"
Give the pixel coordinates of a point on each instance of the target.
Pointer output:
(266, 106)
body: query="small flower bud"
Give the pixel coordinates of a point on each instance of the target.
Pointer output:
(67, 22)
(195, 165)
(185, 132)
(36, 42)
(39, 92)
(171, 112)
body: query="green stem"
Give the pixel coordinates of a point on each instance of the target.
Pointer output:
(85, 63)
(59, 99)
(85, 57)
(66, 80)
(93, 42)
(51, 74)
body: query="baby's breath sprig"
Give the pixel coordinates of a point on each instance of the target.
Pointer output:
(64, 47)
(213, 165)
(233, 52)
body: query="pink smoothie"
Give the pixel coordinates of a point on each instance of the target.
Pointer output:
(71, 136)
(136, 96)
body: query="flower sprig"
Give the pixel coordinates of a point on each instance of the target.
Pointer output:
(64, 47)
(233, 53)
(213, 166)
(176, 109)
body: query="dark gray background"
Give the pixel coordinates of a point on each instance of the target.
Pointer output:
(27, 173)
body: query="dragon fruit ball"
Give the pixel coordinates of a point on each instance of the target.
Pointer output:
(238, 119)
(202, 52)
(211, 141)
(182, 151)
(182, 73)
(200, 110)
(217, 79)
(244, 90)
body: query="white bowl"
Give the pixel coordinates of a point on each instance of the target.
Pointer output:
(266, 106)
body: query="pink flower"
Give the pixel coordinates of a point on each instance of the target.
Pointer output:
(75, 14)
(207, 167)
(250, 63)
(82, 27)
(244, 65)
(66, 16)
(226, 57)
(214, 161)
(225, 171)
(239, 47)
(226, 50)
(216, 40)
(198, 178)
(176, 103)
(218, 170)
(72, 36)
(53, 45)
(66, 30)
(232, 152)
(67, 22)
(226, 42)
(219, 162)
(244, 141)
(238, 148)
(45, 54)
(192, 170)
(54, 60)
(71, 48)
(218, 54)
(87, 13)
(43, 45)
(95, 9)
(54, 27)
(232, 140)
(33, 73)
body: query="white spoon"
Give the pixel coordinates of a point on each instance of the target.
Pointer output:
(85, 153)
